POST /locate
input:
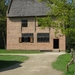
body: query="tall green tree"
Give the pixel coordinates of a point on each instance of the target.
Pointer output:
(64, 13)
(3, 8)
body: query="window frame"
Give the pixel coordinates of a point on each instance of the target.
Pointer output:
(43, 38)
(24, 23)
(27, 37)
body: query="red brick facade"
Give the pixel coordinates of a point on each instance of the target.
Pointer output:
(14, 32)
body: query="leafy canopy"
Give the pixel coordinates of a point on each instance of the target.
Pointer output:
(3, 9)
(61, 16)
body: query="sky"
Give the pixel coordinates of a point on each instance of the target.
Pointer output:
(70, 1)
(6, 2)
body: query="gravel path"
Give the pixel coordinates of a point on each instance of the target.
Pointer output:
(38, 64)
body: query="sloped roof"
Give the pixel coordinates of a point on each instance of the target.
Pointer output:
(23, 8)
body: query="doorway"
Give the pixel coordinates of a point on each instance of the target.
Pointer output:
(55, 43)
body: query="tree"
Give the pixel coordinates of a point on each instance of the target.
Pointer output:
(3, 8)
(64, 13)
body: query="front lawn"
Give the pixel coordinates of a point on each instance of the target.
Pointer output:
(61, 62)
(9, 60)
(19, 51)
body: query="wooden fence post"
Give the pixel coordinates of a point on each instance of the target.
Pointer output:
(71, 59)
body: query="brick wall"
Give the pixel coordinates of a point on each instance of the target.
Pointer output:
(14, 31)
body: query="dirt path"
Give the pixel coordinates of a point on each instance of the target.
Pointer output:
(38, 64)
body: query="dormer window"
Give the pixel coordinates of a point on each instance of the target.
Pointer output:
(24, 23)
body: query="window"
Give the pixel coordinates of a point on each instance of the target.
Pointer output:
(27, 37)
(24, 23)
(43, 37)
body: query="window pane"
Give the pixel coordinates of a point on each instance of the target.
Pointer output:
(27, 37)
(43, 37)
(24, 23)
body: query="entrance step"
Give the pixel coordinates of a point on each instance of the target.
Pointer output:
(56, 50)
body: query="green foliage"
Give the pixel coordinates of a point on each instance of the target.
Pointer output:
(44, 22)
(64, 12)
(70, 39)
(61, 63)
(3, 8)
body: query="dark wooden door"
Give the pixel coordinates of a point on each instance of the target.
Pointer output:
(55, 43)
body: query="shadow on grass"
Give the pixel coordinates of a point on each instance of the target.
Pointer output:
(8, 65)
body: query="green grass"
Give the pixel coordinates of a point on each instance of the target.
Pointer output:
(19, 51)
(61, 62)
(9, 60)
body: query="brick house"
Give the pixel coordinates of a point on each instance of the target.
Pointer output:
(23, 31)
